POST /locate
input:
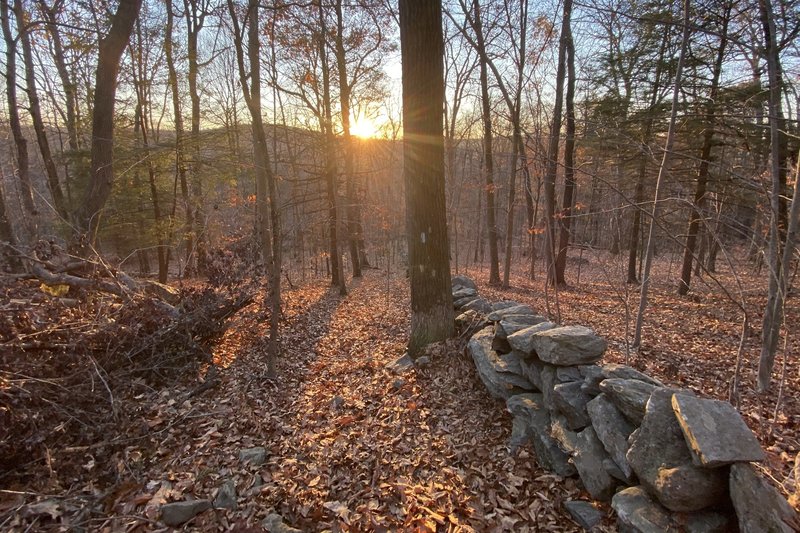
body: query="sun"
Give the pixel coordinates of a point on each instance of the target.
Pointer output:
(364, 127)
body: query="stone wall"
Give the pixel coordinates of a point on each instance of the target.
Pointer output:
(666, 459)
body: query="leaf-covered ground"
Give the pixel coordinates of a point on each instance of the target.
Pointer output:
(352, 446)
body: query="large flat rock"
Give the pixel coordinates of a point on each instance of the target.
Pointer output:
(480, 305)
(759, 506)
(492, 370)
(659, 456)
(629, 395)
(522, 340)
(715, 432)
(613, 430)
(588, 459)
(500, 314)
(614, 370)
(569, 346)
(531, 409)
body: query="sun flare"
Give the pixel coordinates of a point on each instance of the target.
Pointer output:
(364, 127)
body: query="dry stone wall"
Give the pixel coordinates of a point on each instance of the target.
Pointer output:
(666, 459)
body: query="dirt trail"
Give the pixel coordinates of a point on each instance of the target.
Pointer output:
(352, 446)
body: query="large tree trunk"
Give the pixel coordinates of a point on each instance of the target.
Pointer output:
(570, 185)
(21, 144)
(696, 213)
(422, 51)
(101, 177)
(552, 150)
(662, 171)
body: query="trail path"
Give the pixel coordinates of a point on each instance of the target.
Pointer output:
(351, 446)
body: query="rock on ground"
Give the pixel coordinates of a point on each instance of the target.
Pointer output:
(254, 456)
(584, 513)
(176, 513)
(274, 524)
(638, 513)
(226, 495)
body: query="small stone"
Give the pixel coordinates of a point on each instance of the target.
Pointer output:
(629, 395)
(176, 513)
(422, 361)
(274, 524)
(254, 456)
(759, 506)
(337, 402)
(638, 513)
(588, 460)
(226, 495)
(715, 432)
(612, 429)
(569, 346)
(571, 402)
(585, 514)
(400, 365)
(398, 383)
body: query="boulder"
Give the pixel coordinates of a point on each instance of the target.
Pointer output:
(469, 322)
(613, 370)
(530, 408)
(715, 432)
(463, 282)
(568, 345)
(638, 513)
(566, 438)
(401, 364)
(226, 496)
(461, 302)
(629, 395)
(660, 458)
(176, 513)
(504, 304)
(500, 314)
(480, 305)
(592, 376)
(570, 401)
(254, 456)
(463, 292)
(522, 340)
(588, 459)
(613, 430)
(759, 506)
(493, 372)
(585, 514)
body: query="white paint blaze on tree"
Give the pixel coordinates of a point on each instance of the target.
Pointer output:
(423, 170)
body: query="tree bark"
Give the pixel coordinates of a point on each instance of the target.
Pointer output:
(20, 142)
(422, 52)
(570, 185)
(101, 177)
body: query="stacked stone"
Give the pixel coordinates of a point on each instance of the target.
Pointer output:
(665, 459)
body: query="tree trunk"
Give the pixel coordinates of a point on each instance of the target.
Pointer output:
(353, 209)
(662, 171)
(570, 184)
(422, 52)
(696, 213)
(21, 144)
(552, 150)
(101, 177)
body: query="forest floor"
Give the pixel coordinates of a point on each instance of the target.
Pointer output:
(352, 446)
